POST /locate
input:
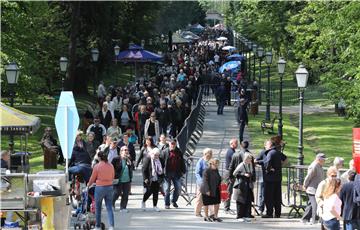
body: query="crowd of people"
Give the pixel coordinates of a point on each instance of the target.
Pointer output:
(148, 113)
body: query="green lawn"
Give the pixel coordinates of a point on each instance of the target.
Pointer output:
(325, 132)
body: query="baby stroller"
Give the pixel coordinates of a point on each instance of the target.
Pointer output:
(85, 213)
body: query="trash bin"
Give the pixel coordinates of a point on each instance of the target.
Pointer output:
(50, 158)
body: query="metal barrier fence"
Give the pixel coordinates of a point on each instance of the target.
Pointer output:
(293, 196)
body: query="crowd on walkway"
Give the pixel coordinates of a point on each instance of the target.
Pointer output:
(150, 113)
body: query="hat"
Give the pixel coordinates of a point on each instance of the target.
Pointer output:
(321, 156)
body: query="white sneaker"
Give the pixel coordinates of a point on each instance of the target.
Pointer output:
(143, 206)
(247, 220)
(124, 210)
(111, 228)
(241, 220)
(156, 209)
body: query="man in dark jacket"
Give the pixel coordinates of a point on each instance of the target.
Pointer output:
(162, 115)
(272, 181)
(220, 98)
(349, 208)
(228, 90)
(242, 116)
(229, 154)
(174, 167)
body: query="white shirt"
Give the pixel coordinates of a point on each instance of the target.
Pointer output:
(101, 91)
(117, 103)
(216, 58)
(329, 203)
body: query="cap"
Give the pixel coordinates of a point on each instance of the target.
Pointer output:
(321, 156)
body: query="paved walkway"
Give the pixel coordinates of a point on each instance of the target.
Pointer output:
(218, 129)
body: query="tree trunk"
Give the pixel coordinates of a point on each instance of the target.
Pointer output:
(75, 23)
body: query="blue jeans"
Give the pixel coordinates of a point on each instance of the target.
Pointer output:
(104, 192)
(81, 169)
(261, 196)
(177, 189)
(221, 107)
(332, 224)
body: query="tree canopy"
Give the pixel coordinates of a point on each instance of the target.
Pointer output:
(323, 35)
(37, 34)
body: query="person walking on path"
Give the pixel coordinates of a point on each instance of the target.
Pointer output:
(201, 166)
(103, 175)
(242, 117)
(175, 168)
(350, 209)
(332, 204)
(229, 154)
(210, 190)
(153, 173)
(243, 187)
(313, 178)
(221, 98)
(123, 172)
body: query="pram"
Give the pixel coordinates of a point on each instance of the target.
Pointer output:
(84, 216)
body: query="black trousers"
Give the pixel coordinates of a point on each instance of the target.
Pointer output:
(241, 131)
(154, 190)
(243, 210)
(272, 196)
(230, 185)
(122, 189)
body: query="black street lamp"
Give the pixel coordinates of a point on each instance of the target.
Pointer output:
(94, 58)
(254, 48)
(12, 72)
(302, 76)
(249, 47)
(281, 69)
(268, 60)
(260, 54)
(116, 52)
(63, 68)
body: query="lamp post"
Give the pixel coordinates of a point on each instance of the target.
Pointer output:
(268, 60)
(254, 48)
(142, 43)
(301, 77)
(63, 68)
(116, 52)
(94, 58)
(281, 69)
(249, 46)
(260, 54)
(12, 72)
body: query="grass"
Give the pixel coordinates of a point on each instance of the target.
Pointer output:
(323, 132)
(45, 108)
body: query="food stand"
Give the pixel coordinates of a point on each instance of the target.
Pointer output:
(26, 199)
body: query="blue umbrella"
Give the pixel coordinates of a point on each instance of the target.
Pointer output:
(230, 66)
(236, 57)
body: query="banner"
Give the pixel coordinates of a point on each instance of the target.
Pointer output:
(356, 148)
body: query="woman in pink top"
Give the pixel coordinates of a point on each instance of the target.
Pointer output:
(332, 205)
(103, 174)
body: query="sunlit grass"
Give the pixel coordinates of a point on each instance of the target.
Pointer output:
(323, 132)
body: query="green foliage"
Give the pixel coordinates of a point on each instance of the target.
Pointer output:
(323, 35)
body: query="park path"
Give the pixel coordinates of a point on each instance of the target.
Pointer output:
(218, 129)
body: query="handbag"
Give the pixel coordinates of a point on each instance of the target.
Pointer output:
(224, 193)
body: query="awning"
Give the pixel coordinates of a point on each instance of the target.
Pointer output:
(13, 121)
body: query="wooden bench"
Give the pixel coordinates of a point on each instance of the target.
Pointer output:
(268, 125)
